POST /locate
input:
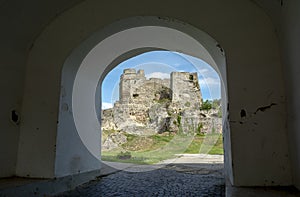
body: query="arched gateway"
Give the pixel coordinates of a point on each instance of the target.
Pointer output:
(59, 130)
(93, 59)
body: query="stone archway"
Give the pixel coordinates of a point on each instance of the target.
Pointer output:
(49, 146)
(94, 58)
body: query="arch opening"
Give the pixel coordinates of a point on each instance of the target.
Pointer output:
(99, 54)
(158, 98)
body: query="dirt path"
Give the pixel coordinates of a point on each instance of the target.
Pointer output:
(193, 161)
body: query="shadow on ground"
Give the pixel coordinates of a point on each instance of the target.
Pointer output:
(168, 180)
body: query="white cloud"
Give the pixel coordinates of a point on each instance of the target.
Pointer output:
(106, 105)
(204, 70)
(209, 81)
(158, 75)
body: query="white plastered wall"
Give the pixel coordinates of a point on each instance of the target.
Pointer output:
(20, 23)
(253, 75)
(285, 16)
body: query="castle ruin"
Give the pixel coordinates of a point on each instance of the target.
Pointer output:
(148, 106)
(182, 86)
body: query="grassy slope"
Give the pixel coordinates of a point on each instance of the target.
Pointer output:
(152, 149)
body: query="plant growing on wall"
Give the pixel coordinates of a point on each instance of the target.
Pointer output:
(206, 105)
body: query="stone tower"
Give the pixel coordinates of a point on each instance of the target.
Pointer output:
(185, 89)
(129, 80)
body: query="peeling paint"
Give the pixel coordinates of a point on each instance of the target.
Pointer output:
(264, 108)
(245, 118)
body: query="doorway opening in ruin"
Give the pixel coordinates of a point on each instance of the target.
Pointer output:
(162, 107)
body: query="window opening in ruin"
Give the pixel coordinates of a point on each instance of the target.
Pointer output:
(161, 105)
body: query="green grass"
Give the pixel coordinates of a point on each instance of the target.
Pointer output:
(164, 147)
(146, 143)
(153, 149)
(207, 144)
(194, 147)
(217, 149)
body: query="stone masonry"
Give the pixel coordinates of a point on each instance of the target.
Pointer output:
(148, 106)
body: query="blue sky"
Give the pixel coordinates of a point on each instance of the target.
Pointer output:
(160, 64)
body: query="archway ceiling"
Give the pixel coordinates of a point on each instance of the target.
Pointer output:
(28, 18)
(22, 21)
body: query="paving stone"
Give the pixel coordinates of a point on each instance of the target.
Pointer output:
(160, 182)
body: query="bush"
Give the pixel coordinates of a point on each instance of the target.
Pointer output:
(124, 155)
(206, 105)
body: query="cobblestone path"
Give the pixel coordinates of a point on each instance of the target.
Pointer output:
(172, 180)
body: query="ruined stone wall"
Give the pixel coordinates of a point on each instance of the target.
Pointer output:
(185, 88)
(134, 87)
(130, 80)
(156, 105)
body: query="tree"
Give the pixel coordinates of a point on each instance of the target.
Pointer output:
(216, 103)
(206, 105)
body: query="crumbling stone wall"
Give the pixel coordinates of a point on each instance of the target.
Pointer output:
(148, 106)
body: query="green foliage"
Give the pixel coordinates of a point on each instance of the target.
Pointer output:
(179, 124)
(130, 137)
(206, 105)
(216, 103)
(124, 155)
(179, 120)
(187, 104)
(169, 113)
(164, 100)
(196, 84)
(220, 112)
(200, 126)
